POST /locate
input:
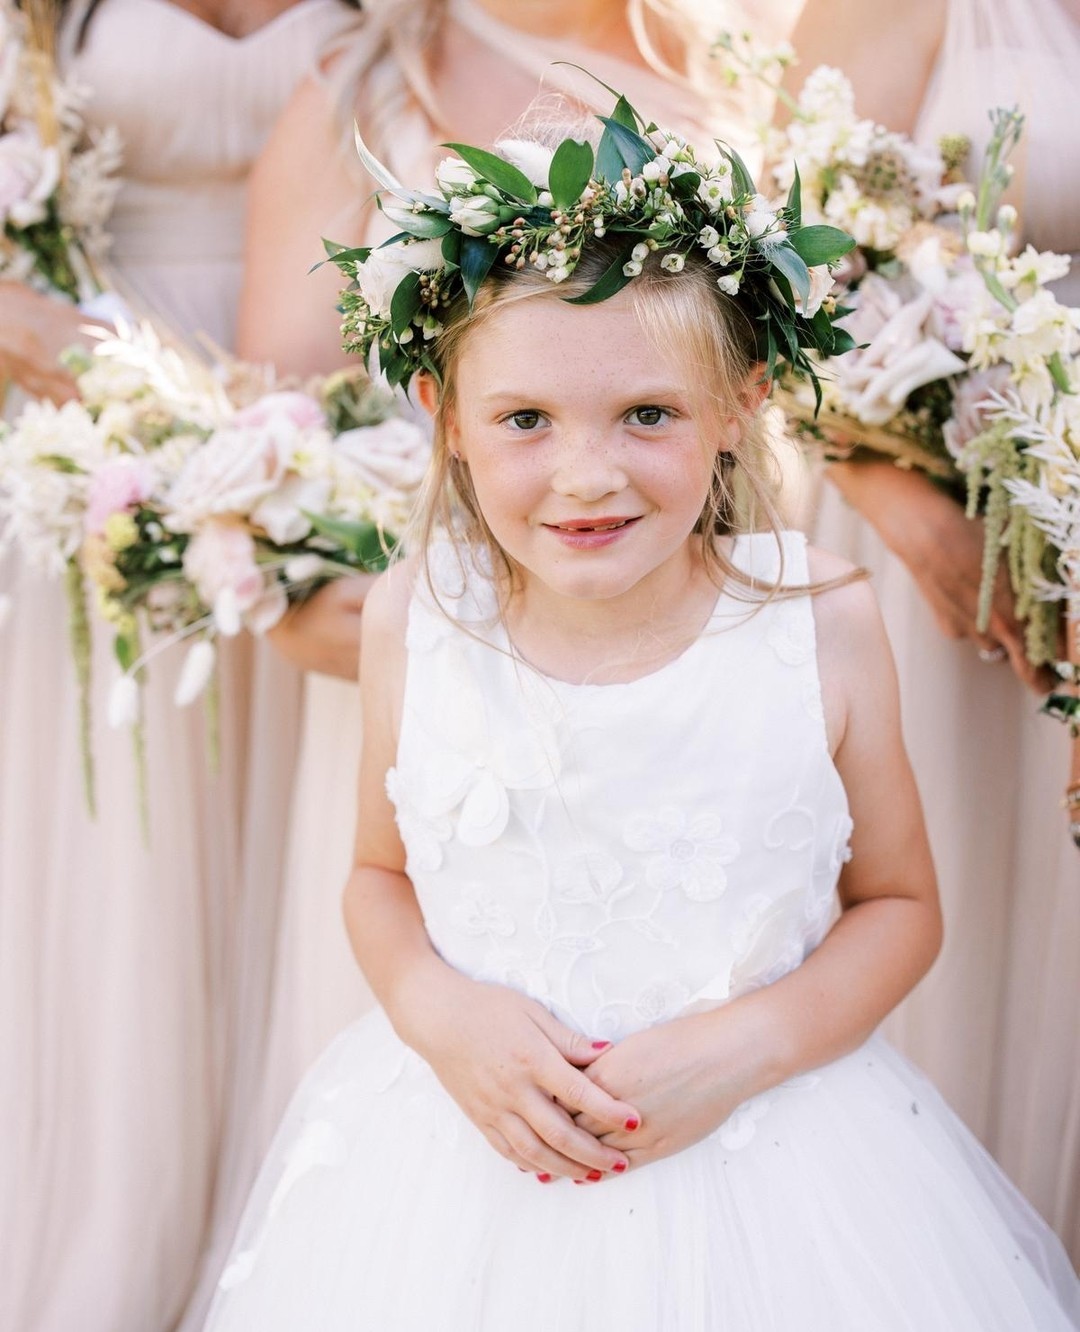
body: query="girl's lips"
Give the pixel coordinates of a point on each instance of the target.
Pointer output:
(591, 533)
(591, 524)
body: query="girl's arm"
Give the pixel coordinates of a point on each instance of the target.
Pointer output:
(690, 1074)
(513, 1068)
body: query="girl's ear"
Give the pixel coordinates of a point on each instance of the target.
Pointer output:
(756, 388)
(427, 393)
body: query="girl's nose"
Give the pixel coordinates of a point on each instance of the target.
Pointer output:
(588, 469)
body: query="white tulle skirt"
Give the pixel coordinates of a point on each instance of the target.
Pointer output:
(850, 1200)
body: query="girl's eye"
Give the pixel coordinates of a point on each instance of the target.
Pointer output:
(523, 420)
(647, 416)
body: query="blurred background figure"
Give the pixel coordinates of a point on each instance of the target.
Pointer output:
(114, 951)
(990, 769)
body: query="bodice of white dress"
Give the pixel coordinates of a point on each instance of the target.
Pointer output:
(545, 859)
(193, 107)
(1023, 53)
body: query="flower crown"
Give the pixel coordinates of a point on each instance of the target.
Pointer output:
(533, 207)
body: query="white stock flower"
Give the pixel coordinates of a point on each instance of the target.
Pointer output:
(986, 244)
(29, 174)
(195, 673)
(1036, 268)
(475, 214)
(533, 160)
(378, 277)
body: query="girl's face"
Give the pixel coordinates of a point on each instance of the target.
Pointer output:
(581, 441)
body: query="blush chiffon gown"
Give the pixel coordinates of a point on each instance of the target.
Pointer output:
(996, 1024)
(115, 952)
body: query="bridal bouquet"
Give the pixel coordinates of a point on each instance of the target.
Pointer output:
(966, 365)
(57, 178)
(190, 514)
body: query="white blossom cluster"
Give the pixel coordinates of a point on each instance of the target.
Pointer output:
(857, 175)
(216, 507)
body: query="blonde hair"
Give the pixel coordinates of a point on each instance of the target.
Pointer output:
(689, 319)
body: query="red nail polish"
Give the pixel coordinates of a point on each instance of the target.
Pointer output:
(594, 1175)
(619, 1167)
(600, 1045)
(632, 1123)
(544, 1179)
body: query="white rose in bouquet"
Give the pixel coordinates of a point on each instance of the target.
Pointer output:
(281, 513)
(29, 175)
(378, 277)
(228, 474)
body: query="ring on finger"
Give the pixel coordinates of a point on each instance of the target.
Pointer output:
(992, 655)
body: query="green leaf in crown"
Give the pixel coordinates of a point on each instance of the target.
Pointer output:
(528, 206)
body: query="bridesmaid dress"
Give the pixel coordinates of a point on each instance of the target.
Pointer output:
(318, 988)
(114, 952)
(996, 1024)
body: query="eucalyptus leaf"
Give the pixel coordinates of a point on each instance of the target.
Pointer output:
(365, 542)
(793, 267)
(612, 280)
(820, 245)
(570, 171)
(633, 150)
(425, 226)
(477, 258)
(497, 170)
(405, 303)
(794, 199)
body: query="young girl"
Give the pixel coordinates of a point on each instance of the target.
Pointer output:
(641, 865)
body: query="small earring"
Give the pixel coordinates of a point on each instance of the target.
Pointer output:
(455, 456)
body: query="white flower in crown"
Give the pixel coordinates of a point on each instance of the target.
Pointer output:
(475, 214)
(821, 283)
(453, 176)
(380, 274)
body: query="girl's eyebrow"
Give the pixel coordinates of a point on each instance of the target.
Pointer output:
(637, 393)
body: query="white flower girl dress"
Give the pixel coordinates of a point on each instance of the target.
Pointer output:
(625, 853)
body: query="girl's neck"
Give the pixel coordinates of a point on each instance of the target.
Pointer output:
(617, 639)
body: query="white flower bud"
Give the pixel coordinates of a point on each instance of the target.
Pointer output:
(985, 244)
(195, 673)
(454, 176)
(558, 274)
(631, 269)
(227, 613)
(965, 202)
(302, 568)
(1006, 218)
(673, 263)
(719, 254)
(728, 284)
(640, 252)
(123, 702)
(652, 171)
(475, 214)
